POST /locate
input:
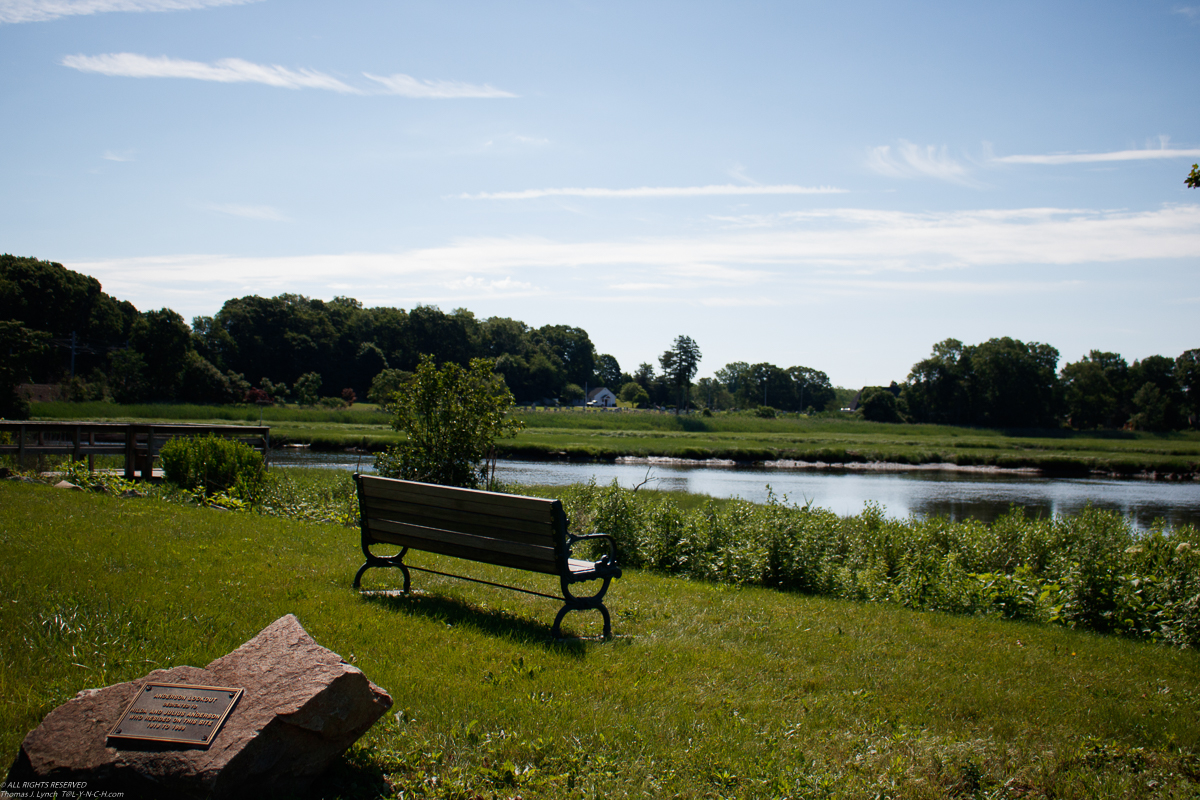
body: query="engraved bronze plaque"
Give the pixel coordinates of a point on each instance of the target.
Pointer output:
(176, 712)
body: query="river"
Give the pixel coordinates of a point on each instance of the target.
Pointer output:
(957, 494)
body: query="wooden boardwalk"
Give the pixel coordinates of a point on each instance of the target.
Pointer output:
(138, 443)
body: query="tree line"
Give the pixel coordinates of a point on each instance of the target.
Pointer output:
(1007, 383)
(58, 326)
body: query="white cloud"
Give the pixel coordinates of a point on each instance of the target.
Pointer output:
(908, 160)
(227, 70)
(236, 70)
(42, 10)
(799, 257)
(112, 155)
(408, 86)
(654, 191)
(1093, 158)
(265, 213)
(482, 286)
(1191, 12)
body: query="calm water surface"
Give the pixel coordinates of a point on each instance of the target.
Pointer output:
(958, 495)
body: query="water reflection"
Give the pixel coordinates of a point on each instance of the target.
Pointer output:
(957, 495)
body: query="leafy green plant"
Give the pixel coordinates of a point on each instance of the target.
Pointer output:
(451, 415)
(213, 465)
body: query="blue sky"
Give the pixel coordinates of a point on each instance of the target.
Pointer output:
(828, 184)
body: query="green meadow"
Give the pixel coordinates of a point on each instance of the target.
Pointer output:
(603, 435)
(709, 689)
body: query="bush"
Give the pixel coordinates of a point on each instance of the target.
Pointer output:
(211, 465)
(452, 415)
(765, 412)
(1089, 570)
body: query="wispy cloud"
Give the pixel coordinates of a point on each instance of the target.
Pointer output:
(803, 255)
(112, 155)
(227, 70)
(236, 70)
(265, 213)
(653, 191)
(907, 160)
(1093, 158)
(42, 10)
(408, 86)
(475, 285)
(1191, 12)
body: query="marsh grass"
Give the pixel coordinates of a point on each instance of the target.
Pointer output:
(742, 437)
(709, 690)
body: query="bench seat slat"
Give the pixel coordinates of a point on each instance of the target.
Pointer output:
(534, 509)
(382, 528)
(454, 519)
(469, 553)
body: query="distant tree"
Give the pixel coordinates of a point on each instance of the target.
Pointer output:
(679, 365)
(1095, 391)
(767, 384)
(632, 392)
(937, 387)
(386, 384)
(1000, 383)
(573, 349)
(1159, 372)
(1150, 409)
(810, 387)
(1193, 179)
(608, 371)
(451, 415)
(880, 404)
(201, 382)
(735, 377)
(20, 349)
(644, 375)
(1187, 375)
(572, 393)
(308, 388)
(127, 376)
(164, 341)
(349, 396)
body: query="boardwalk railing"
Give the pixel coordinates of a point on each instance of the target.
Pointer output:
(139, 443)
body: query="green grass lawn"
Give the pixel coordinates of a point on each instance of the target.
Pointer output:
(606, 435)
(707, 691)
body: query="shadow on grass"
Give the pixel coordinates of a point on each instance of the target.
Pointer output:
(494, 622)
(354, 776)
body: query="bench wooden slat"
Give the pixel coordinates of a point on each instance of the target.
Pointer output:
(478, 524)
(534, 509)
(453, 538)
(457, 550)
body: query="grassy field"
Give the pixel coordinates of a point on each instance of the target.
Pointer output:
(607, 435)
(707, 691)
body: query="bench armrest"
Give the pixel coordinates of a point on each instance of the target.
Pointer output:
(611, 558)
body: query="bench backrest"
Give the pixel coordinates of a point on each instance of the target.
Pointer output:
(509, 530)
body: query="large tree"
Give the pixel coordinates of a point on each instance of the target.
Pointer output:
(679, 365)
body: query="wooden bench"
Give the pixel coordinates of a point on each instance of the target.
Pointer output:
(527, 533)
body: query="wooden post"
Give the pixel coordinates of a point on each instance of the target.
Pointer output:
(21, 447)
(91, 455)
(130, 452)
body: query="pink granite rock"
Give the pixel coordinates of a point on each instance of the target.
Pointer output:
(303, 706)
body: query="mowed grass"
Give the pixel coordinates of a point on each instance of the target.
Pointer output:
(603, 435)
(707, 691)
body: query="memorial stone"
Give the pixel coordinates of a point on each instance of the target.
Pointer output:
(301, 707)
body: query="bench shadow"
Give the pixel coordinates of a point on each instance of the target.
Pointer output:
(494, 622)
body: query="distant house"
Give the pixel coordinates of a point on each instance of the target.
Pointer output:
(601, 398)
